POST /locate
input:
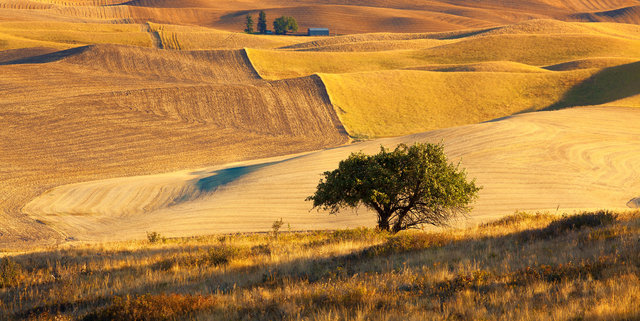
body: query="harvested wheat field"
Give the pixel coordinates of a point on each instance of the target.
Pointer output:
(155, 160)
(109, 111)
(116, 111)
(585, 158)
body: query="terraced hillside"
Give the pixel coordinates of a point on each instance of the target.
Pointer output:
(108, 111)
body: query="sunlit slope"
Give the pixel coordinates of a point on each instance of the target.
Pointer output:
(574, 158)
(487, 66)
(165, 36)
(66, 35)
(195, 38)
(536, 26)
(109, 111)
(536, 50)
(392, 103)
(218, 66)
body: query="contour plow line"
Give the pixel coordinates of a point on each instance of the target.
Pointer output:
(578, 158)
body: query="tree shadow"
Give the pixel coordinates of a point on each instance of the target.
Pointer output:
(374, 259)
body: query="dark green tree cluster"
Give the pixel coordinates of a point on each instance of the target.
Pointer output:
(249, 24)
(285, 24)
(262, 22)
(407, 187)
(281, 25)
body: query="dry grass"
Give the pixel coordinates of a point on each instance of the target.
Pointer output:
(522, 267)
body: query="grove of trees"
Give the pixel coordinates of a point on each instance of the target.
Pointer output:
(285, 24)
(262, 22)
(407, 187)
(249, 28)
(281, 25)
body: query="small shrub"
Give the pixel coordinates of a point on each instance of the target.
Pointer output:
(357, 234)
(149, 307)
(475, 280)
(155, 237)
(351, 297)
(10, 273)
(517, 217)
(262, 249)
(408, 242)
(561, 272)
(277, 224)
(221, 255)
(605, 233)
(576, 222)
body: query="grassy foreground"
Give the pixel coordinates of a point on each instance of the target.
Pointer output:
(524, 266)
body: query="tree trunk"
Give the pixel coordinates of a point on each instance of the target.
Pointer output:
(383, 221)
(397, 227)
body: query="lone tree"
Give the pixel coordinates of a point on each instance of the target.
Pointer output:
(407, 187)
(249, 28)
(285, 24)
(262, 22)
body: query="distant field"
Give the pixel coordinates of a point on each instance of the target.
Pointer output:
(101, 90)
(393, 103)
(65, 35)
(535, 50)
(343, 17)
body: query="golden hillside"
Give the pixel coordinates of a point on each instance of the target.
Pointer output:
(108, 90)
(536, 161)
(108, 111)
(342, 16)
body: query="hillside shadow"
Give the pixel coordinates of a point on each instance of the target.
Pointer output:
(468, 34)
(610, 84)
(50, 57)
(217, 178)
(226, 176)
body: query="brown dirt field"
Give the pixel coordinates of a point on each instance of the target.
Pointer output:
(69, 119)
(579, 158)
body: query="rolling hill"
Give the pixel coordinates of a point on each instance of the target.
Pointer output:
(108, 111)
(112, 112)
(577, 158)
(342, 16)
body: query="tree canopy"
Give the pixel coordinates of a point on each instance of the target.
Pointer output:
(285, 24)
(407, 187)
(262, 22)
(249, 24)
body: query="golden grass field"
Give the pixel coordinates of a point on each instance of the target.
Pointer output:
(120, 118)
(522, 267)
